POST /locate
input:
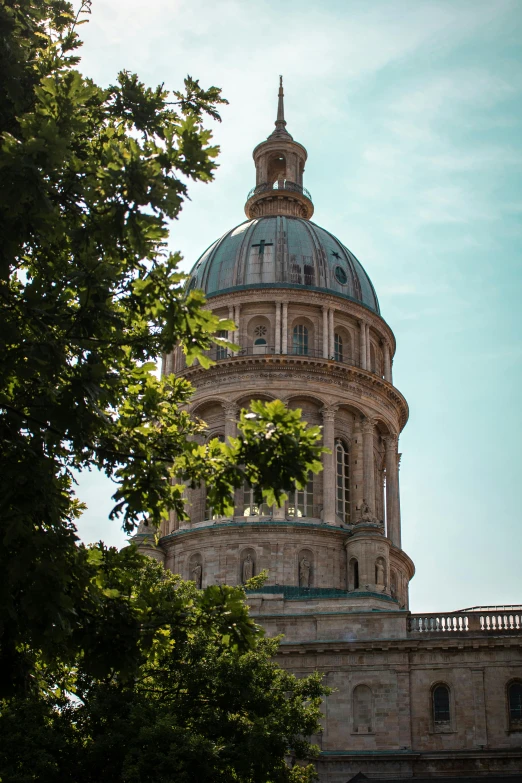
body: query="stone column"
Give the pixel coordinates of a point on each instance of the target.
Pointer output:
(387, 362)
(368, 351)
(393, 513)
(236, 319)
(284, 335)
(331, 333)
(362, 348)
(231, 317)
(278, 327)
(231, 411)
(325, 333)
(368, 464)
(329, 465)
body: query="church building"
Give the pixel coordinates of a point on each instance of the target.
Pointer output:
(416, 696)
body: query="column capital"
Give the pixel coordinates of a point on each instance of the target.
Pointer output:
(367, 426)
(390, 441)
(329, 412)
(231, 410)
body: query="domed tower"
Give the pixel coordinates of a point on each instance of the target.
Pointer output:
(311, 334)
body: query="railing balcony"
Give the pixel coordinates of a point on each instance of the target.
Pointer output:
(468, 622)
(218, 354)
(282, 184)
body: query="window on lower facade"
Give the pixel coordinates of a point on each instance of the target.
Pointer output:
(343, 481)
(441, 705)
(338, 347)
(301, 502)
(250, 507)
(515, 703)
(300, 340)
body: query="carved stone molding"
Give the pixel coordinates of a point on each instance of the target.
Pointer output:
(352, 379)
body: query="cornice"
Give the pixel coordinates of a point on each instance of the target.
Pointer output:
(261, 526)
(399, 554)
(326, 371)
(457, 642)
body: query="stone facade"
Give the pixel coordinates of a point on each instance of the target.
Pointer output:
(415, 696)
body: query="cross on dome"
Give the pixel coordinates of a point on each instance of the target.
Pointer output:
(261, 245)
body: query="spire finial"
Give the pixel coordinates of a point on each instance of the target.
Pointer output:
(280, 122)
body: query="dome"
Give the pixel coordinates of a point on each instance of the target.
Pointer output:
(280, 251)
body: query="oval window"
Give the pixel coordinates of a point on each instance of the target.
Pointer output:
(340, 275)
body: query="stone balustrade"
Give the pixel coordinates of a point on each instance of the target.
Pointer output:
(465, 622)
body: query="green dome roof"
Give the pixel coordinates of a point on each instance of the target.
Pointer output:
(282, 252)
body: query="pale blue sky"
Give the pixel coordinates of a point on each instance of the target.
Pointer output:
(411, 114)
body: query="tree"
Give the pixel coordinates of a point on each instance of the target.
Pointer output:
(208, 703)
(89, 301)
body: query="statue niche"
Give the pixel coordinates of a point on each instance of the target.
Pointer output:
(196, 570)
(380, 574)
(305, 568)
(247, 566)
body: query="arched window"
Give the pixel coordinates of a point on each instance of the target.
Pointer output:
(515, 703)
(221, 351)
(343, 481)
(300, 340)
(250, 507)
(338, 347)
(302, 501)
(441, 705)
(362, 709)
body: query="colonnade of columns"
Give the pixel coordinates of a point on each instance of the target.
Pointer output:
(328, 336)
(329, 473)
(393, 514)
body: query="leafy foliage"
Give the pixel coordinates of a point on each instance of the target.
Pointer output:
(208, 703)
(90, 300)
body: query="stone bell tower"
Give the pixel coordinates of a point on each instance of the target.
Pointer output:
(414, 695)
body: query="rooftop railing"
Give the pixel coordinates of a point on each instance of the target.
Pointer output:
(285, 184)
(462, 623)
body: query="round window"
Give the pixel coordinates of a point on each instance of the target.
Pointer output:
(340, 275)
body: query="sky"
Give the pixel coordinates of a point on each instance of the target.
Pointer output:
(411, 113)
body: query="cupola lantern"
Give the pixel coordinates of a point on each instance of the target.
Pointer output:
(280, 163)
